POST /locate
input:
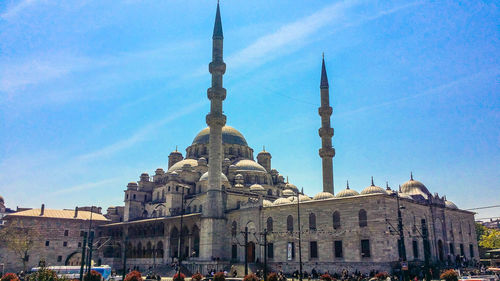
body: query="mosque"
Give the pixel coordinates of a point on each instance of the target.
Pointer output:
(217, 206)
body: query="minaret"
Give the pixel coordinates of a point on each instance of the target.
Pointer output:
(327, 152)
(213, 241)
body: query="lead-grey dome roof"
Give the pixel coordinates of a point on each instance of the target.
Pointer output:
(229, 136)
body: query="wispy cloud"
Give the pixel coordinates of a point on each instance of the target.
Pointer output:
(86, 186)
(141, 134)
(15, 9)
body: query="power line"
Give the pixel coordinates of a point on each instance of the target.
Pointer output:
(485, 207)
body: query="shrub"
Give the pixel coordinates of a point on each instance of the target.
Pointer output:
(219, 276)
(10, 277)
(179, 278)
(133, 276)
(449, 275)
(197, 276)
(381, 275)
(43, 274)
(251, 277)
(92, 276)
(272, 276)
(326, 277)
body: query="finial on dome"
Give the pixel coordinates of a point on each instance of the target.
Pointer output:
(286, 179)
(411, 176)
(387, 185)
(302, 190)
(176, 148)
(372, 182)
(263, 148)
(399, 188)
(347, 184)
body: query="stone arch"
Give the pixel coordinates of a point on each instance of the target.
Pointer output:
(234, 228)
(312, 221)
(74, 258)
(196, 241)
(174, 241)
(140, 253)
(159, 250)
(289, 223)
(149, 250)
(336, 220)
(362, 216)
(269, 224)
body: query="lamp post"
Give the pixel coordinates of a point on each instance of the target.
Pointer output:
(91, 241)
(179, 254)
(300, 245)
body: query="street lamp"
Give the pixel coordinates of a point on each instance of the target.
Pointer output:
(401, 244)
(179, 255)
(300, 240)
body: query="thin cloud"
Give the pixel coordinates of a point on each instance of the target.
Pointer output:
(86, 186)
(142, 134)
(14, 10)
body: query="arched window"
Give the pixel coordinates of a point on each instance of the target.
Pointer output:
(159, 250)
(269, 224)
(336, 220)
(269, 192)
(234, 228)
(289, 223)
(312, 221)
(194, 208)
(362, 218)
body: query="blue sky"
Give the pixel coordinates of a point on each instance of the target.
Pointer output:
(92, 93)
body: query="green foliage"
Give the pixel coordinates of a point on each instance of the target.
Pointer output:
(43, 274)
(490, 239)
(9, 277)
(449, 275)
(19, 239)
(92, 276)
(133, 276)
(480, 229)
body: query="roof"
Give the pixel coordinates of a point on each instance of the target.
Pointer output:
(59, 214)
(229, 136)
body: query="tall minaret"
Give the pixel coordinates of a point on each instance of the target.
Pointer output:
(213, 241)
(326, 152)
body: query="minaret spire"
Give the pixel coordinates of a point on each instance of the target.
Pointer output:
(327, 152)
(213, 215)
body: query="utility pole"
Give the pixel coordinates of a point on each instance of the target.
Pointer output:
(246, 250)
(84, 245)
(425, 237)
(91, 241)
(265, 254)
(125, 258)
(180, 236)
(300, 245)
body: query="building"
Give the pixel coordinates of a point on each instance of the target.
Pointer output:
(3, 211)
(56, 236)
(201, 206)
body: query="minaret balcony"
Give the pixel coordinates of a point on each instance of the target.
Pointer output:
(217, 67)
(327, 152)
(216, 93)
(216, 120)
(325, 110)
(325, 132)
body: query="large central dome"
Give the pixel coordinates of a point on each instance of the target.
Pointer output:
(229, 136)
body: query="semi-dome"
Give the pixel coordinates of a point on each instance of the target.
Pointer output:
(323, 195)
(257, 187)
(414, 187)
(288, 192)
(450, 204)
(267, 203)
(178, 166)
(281, 201)
(249, 165)
(204, 177)
(373, 189)
(229, 136)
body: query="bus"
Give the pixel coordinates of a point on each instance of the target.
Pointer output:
(73, 272)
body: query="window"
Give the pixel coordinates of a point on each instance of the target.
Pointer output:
(270, 224)
(81, 233)
(59, 258)
(234, 252)
(270, 250)
(47, 243)
(200, 209)
(338, 249)
(415, 249)
(471, 250)
(269, 192)
(313, 249)
(312, 221)
(66, 232)
(65, 244)
(362, 218)
(134, 196)
(289, 223)
(336, 220)
(79, 244)
(452, 249)
(462, 252)
(290, 251)
(234, 227)
(365, 248)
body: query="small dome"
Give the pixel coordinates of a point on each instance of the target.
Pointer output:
(414, 187)
(132, 185)
(257, 187)
(204, 177)
(249, 165)
(175, 153)
(238, 177)
(267, 203)
(281, 201)
(159, 171)
(346, 193)
(323, 195)
(291, 186)
(450, 205)
(178, 166)
(372, 189)
(302, 198)
(288, 192)
(202, 161)
(264, 152)
(229, 136)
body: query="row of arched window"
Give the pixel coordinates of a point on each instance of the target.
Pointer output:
(149, 250)
(362, 221)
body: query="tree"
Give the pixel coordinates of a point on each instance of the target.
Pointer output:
(480, 229)
(490, 239)
(19, 239)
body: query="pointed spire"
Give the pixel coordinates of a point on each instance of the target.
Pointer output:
(302, 191)
(324, 78)
(218, 25)
(411, 176)
(176, 148)
(387, 186)
(372, 182)
(263, 148)
(347, 184)
(399, 188)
